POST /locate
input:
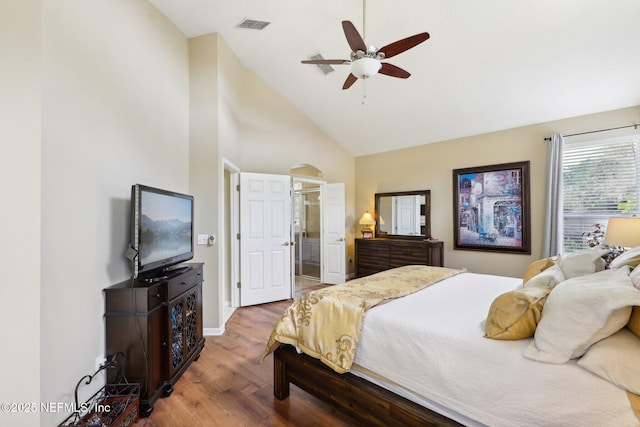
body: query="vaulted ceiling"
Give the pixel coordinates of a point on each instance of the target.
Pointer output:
(489, 65)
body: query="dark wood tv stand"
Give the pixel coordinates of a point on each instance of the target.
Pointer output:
(158, 327)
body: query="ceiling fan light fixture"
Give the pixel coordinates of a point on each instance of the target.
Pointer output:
(365, 67)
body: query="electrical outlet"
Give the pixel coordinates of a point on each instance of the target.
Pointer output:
(100, 361)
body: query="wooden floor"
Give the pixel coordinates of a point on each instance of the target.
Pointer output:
(228, 386)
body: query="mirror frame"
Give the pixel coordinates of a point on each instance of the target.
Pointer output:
(427, 214)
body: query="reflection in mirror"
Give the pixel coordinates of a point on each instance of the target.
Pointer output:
(403, 214)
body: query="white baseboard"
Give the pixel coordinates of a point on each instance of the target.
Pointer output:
(212, 332)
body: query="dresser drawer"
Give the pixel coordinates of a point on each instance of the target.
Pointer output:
(128, 297)
(178, 285)
(401, 254)
(371, 257)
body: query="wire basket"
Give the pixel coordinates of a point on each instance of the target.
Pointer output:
(114, 405)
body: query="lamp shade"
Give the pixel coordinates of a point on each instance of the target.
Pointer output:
(367, 219)
(623, 232)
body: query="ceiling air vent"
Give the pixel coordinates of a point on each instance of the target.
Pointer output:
(325, 68)
(253, 24)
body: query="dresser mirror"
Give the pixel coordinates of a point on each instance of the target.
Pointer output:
(405, 214)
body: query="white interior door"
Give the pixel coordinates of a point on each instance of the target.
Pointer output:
(265, 238)
(333, 234)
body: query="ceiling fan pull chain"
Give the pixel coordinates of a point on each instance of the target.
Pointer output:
(364, 90)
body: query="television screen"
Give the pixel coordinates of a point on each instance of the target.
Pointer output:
(162, 229)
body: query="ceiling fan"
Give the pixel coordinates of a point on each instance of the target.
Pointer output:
(367, 61)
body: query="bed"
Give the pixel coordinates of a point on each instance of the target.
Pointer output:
(421, 357)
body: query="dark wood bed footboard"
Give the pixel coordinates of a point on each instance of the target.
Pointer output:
(361, 399)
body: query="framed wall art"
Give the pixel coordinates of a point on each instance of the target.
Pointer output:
(491, 209)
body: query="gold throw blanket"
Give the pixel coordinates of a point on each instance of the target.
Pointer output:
(326, 324)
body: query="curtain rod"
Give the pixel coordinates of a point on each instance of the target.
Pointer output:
(596, 131)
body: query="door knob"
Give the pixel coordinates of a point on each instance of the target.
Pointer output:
(286, 243)
(341, 239)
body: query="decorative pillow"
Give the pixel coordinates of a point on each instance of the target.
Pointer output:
(514, 315)
(634, 321)
(616, 359)
(630, 257)
(583, 262)
(548, 278)
(536, 268)
(581, 311)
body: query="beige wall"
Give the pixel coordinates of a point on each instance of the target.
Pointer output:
(275, 137)
(20, 118)
(115, 112)
(203, 172)
(237, 117)
(431, 167)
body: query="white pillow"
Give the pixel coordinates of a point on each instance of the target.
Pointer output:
(616, 360)
(583, 262)
(630, 258)
(580, 312)
(547, 278)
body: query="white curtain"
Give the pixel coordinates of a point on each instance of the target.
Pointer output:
(553, 216)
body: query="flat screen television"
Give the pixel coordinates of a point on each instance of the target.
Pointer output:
(161, 231)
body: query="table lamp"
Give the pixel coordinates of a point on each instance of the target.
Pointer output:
(623, 232)
(367, 220)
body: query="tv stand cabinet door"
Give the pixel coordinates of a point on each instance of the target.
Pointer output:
(185, 331)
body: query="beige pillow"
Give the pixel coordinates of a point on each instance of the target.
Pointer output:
(583, 262)
(514, 315)
(616, 359)
(634, 321)
(548, 278)
(630, 257)
(581, 311)
(536, 268)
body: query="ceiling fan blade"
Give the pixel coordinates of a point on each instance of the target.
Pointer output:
(351, 79)
(400, 46)
(327, 61)
(353, 37)
(393, 71)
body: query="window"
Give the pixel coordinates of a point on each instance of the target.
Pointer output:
(600, 180)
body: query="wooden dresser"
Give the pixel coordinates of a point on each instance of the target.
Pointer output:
(375, 255)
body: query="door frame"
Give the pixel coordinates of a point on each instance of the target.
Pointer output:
(229, 253)
(319, 182)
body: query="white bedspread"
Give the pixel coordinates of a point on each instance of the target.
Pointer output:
(432, 343)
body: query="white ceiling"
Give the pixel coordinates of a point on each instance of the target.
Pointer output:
(489, 65)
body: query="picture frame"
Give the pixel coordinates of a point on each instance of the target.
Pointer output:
(367, 234)
(491, 208)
